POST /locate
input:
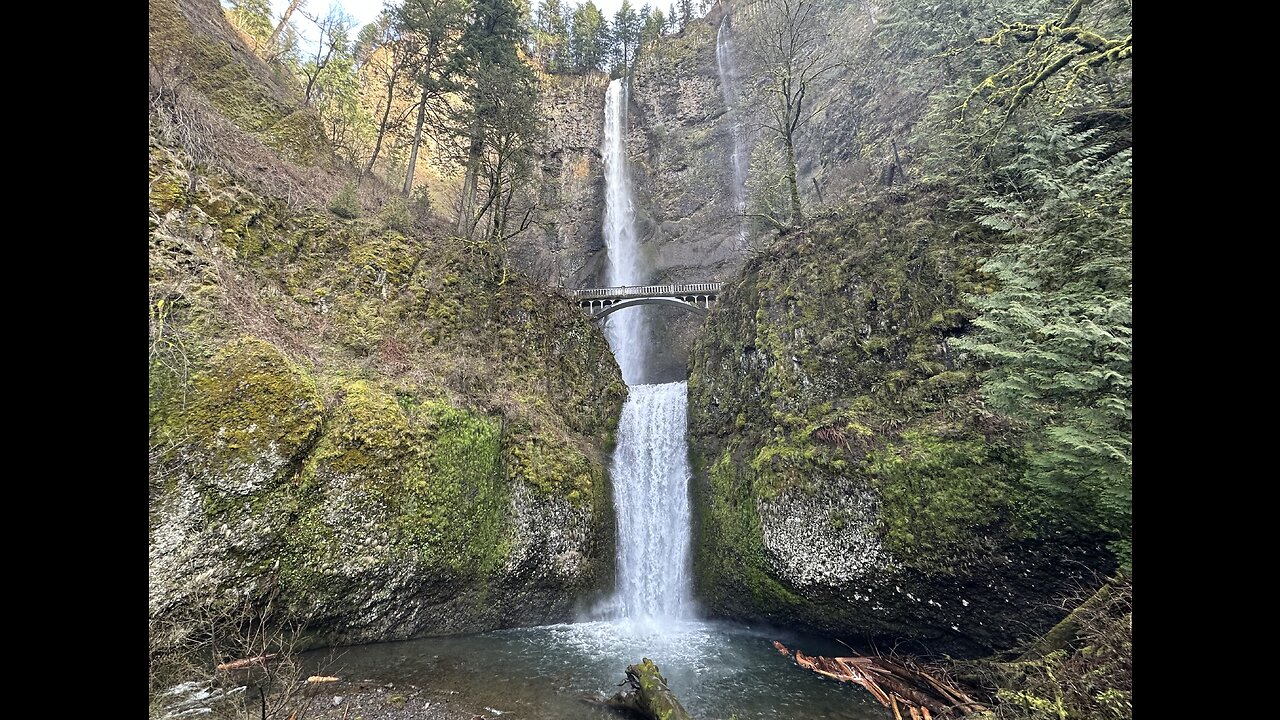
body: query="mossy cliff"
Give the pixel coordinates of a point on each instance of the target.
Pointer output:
(848, 476)
(372, 428)
(190, 43)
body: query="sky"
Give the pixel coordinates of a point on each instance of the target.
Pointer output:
(365, 11)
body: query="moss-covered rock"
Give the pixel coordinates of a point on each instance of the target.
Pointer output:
(248, 415)
(374, 430)
(647, 695)
(849, 477)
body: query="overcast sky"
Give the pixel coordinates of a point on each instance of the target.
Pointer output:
(364, 11)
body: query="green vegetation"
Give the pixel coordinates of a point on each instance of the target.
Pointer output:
(1058, 331)
(347, 203)
(1082, 668)
(950, 347)
(354, 411)
(941, 495)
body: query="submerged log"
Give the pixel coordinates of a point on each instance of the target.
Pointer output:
(647, 695)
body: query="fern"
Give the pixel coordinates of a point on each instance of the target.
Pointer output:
(1057, 335)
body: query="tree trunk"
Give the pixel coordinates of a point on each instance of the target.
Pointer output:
(311, 81)
(382, 127)
(1062, 635)
(792, 184)
(468, 200)
(284, 20)
(417, 140)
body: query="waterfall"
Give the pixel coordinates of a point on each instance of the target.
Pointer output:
(650, 489)
(626, 330)
(650, 463)
(728, 91)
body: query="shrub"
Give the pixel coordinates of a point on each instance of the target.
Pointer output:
(347, 203)
(395, 214)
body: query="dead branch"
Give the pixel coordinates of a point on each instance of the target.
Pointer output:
(890, 683)
(246, 662)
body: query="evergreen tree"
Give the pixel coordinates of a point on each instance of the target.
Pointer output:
(434, 27)
(589, 39)
(552, 36)
(502, 94)
(1058, 331)
(626, 34)
(654, 21)
(686, 12)
(386, 54)
(253, 18)
(671, 18)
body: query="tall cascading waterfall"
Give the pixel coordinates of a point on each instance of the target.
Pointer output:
(729, 91)
(626, 329)
(650, 462)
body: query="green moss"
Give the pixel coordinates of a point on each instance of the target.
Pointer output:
(731, 559)
(211, 67)
(445, 390)
(299, 136)
(251, 402)
(369, 433)
(166, 188)
(941, 496)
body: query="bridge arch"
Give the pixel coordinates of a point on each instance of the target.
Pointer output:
(632, 302)
(602, 302)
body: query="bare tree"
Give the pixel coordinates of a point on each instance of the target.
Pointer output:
(284, 21)
(232, 654)
(790, 44)
(334, 27)
(391, 57)
(436, 24)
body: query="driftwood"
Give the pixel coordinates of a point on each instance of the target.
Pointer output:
(647, 695)
(891, 683)
(243, 663)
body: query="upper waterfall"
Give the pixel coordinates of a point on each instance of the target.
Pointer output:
(728, 71)
(627, 331)
(650, 465)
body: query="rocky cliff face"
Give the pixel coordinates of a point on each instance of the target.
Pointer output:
(325, 427)
(849, 478)
(679, 147)
(567, 247)
(355, 426)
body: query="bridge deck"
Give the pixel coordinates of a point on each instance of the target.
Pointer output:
(641, 291)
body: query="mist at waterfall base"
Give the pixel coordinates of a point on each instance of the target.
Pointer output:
(716, 669)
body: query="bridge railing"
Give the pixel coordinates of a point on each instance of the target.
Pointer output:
(647, 290)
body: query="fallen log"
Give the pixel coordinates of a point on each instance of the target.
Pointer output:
(647, 694)
(246, 662)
